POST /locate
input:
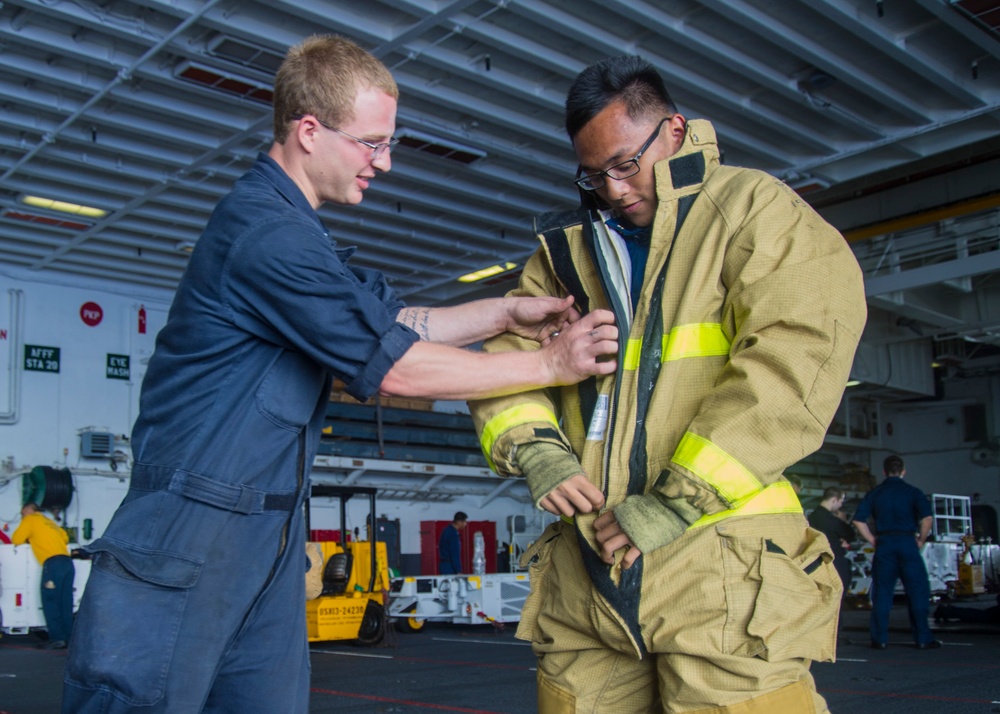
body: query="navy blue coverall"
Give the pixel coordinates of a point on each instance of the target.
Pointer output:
(897, 508)
(196, 598)
(450, 551)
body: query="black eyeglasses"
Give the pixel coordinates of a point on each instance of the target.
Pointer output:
(592, 182)
(377, 149)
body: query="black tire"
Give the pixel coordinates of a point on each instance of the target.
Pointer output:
(408, 623)
(372, 630)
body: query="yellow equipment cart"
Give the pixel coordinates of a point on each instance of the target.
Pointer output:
(352, 580)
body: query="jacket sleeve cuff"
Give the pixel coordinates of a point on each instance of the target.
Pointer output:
(652, 521)
(546, 465)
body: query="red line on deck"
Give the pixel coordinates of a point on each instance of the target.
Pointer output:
(408, 702)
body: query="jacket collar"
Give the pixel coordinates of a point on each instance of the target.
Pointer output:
(685, 172)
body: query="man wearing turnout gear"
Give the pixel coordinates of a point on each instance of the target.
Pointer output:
(682, 575)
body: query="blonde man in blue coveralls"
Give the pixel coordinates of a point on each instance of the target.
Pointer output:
(195, 601)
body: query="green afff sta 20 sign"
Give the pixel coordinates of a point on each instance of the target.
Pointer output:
(41, 359)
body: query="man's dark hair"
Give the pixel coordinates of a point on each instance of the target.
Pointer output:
(893, 465)
(627, 78)
(832, 492)
(460, 516)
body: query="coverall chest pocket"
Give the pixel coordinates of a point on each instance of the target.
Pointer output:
(288, 393)
(148, 593)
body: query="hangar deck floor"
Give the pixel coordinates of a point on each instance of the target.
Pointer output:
(479, 670)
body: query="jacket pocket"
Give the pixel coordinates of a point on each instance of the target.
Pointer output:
(793, 600)
(134, 596)
(538, 559)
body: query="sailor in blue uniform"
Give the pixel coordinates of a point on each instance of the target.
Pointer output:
(903, 519)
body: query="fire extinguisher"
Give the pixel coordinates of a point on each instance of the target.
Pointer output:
(142, 319)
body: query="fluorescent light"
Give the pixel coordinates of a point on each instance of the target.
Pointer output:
(853, 383)
(63, 207)
(487, 272)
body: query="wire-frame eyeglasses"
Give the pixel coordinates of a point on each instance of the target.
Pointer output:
(592, 182)
(377, 149)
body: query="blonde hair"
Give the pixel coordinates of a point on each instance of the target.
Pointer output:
(322, 76)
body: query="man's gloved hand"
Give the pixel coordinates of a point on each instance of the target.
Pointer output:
(652, 520)
(556, 480)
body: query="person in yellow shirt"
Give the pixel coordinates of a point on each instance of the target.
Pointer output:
(48, 542)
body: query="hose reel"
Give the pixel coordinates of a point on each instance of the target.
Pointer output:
(48, 488)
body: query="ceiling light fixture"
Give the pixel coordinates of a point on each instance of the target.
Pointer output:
(487, 272)
(224, 82)
(245, 53)
(853, 383)
(45, 220)
(63, 206)
(445, 148)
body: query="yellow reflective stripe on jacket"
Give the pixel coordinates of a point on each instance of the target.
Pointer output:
(716, 468)
(508, 419)
(633, 353)
(695, 340)
(779, 497)
(698, 340)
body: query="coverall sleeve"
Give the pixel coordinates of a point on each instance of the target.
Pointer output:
(864, 511)
(504, 423)
(922, 506)
(794, 312)
(450, 549)
(288, 284)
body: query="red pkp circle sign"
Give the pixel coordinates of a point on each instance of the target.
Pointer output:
(91, 314)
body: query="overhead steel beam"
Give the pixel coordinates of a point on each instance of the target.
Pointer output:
(942, 10)
(123, 74)
(683, 34)
(599, 37)
(768, 25)
(503, 486)
(932, 274)
(898, 304)
(852, 19)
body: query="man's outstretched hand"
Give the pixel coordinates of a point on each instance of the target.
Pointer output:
(585, 348)
(538, 318)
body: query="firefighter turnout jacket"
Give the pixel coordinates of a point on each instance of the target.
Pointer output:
(731, 366)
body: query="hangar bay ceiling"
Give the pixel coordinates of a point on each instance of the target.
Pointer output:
(884, 114)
